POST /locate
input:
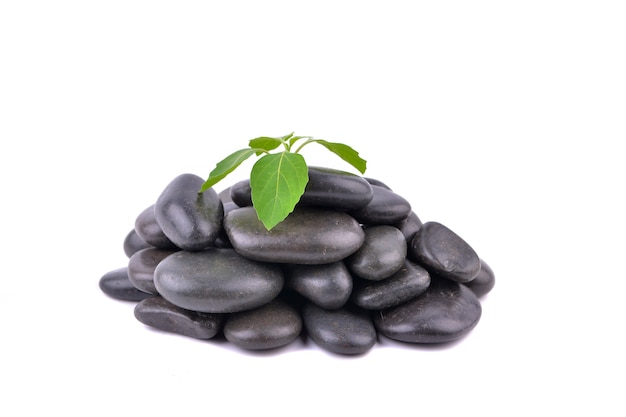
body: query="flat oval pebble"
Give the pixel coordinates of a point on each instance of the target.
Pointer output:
(445, 312)
(386, 207)
(134, 243)
(382, 254)
(272, 325)
(217, 281)
(409, 282)
(336, 189)
(442, 251)
(326, 187)
(347, 331)
(189, 219)
(141, 267)
(328, 285)
(149, 230)
(116, 284)
(159, 313)
(307, 236)
(484, 281)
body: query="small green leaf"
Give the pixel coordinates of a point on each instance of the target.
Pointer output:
(266, 143)
(228, 165)
(277, 181)
(346, 153)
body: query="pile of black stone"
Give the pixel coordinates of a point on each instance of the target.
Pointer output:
(352, 262)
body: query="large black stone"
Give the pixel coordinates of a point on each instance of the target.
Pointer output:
(191, 220)
(326, 188)
(307, 236)
(348, 330)
(382, 254)
(442, 251)
(328, 285)
(116, 284)
(217, 281)
(445, 312)
(386, 207)
(409, 282)
(159, 313)
(272, 325)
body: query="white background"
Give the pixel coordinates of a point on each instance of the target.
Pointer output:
(502, 120)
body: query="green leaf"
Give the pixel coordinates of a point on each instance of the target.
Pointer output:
(266, 143)
(227, 165)
(346, 153)
(278, 181)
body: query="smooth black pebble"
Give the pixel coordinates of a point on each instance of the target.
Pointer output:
(116, 284)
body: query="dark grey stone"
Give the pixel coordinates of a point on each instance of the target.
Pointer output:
(159, 313)
(374, 181)
(386, 207)
(336, 189)
(270, 326)
(217, 281)
(445, 312)
(134, 243)
(141, 267)
(116, 284)
(149, 230)
(326, 187)
(241, 193)
(409, 226)
(189, 219)
(409, 282)
(328, 285)
(382, 254)
(347, 331)
(484, 281)
(443, 252)
(307, 236)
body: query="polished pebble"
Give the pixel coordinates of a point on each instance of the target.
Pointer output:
(442, 251)
(484, 281)
(270, 326)
(141, 267)
(307, 236)
(409, 282)
(446, 311)
(327, 285)
(217, 281)
(116, 284)
(159, 313)
(347, 331)
(382, 254)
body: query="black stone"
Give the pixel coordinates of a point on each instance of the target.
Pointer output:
(116, 284)
(328, 285)
(134, 243)
(159, 313)
(326, 187)
(484, 281)
(348, 330)
(307, 236)
(141, 267)
(217, 281)
(377, 182)
(149, 230)
(241, 193)
(409, 282)
(189, 219)
(382, 254)
(409, 227)
(445, 312)
(270, 326)
(386, 207)
(443, 252)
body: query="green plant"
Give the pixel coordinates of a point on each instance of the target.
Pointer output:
(278, 179)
